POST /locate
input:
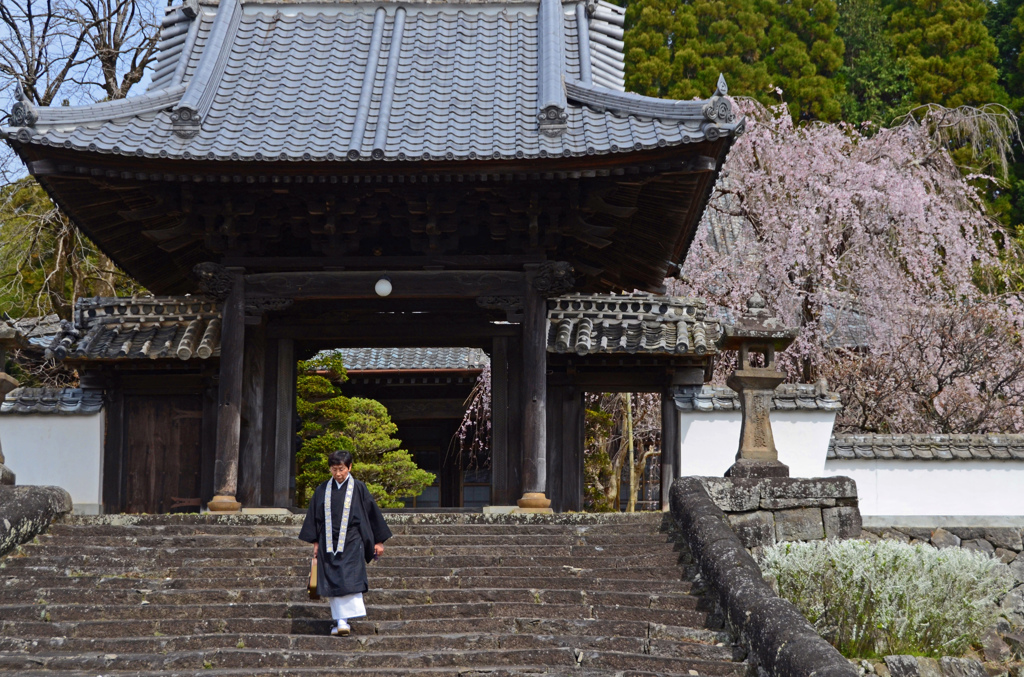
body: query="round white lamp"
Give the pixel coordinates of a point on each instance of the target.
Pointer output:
(383, 286)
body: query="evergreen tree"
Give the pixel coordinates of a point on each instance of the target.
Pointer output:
(947, 49)
(878, 87)
(677, 48)
(331, 421)
(1005, 23)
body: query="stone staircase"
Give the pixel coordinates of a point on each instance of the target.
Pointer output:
(455, 594)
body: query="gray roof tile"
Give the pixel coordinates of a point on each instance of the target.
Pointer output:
(928, 447)
(402, 359)
(788, 397)
(153, 328)
(67, 401)
(630, 323)
(312, 82)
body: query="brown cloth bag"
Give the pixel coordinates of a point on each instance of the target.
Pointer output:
(311, 585)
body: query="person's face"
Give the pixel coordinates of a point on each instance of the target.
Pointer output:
(340, 472)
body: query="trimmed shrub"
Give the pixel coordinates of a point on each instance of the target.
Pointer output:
(879, 599)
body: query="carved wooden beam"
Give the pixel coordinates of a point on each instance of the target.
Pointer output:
(404, 284)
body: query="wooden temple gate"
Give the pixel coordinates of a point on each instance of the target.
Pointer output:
(292, 191)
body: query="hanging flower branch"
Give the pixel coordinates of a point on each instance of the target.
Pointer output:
(474, 434)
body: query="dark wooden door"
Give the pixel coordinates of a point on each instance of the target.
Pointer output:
(162, 447)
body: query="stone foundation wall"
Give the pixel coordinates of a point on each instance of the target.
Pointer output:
(765, 511)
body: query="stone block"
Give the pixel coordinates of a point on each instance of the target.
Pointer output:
(7, 476)
(754, 529)
(869, 537)
(944, 539)
(786, 503)
(1015, 640)
(799, 524)
(1005, 556)
(816, 487)
(919, 533)
(968, 533)
(1013, 606)
(841, 523)
(1017, 569)
(733, 495)
(994, 648)
(902, 666)
(928, 667)
(979, 545)
(962, 667)
(1005, 537)
(895, 535)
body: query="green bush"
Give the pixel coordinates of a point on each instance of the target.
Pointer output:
(331, 421)
(879, 599)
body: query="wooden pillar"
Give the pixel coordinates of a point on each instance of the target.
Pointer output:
(285, 423)
(113, 450)
(534, 401)
(671, 444)
(556, 395)
(229, 398)
(250, 471)
(269, 441)
(573, 433)
(501, 492)
(514, 461)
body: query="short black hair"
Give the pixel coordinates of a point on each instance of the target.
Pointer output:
(340, 457)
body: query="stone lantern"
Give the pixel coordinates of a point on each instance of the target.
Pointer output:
(11, 338)
(757, 332)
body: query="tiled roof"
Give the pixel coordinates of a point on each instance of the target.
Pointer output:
(401, 359)
(630, 323)
(788, 397)
(927, 447)
(154, 327)
(37, 331)
(344, 81)
(52, 401)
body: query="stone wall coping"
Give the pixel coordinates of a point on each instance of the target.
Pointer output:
(935, 521)
(27, 511)
(782, 641)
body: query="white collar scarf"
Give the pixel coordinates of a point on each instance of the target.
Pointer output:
(333, 548)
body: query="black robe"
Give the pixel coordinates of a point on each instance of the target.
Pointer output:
(344, 573)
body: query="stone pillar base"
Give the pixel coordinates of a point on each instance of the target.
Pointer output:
(534, 499)
(224, 505)
(746, 467)
(6, 475)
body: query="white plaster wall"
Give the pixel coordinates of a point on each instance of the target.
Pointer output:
(710, 440)
(55, 450)
(906, 487)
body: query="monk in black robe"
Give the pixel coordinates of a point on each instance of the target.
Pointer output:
(356, 537)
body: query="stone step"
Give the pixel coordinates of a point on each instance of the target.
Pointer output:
(312, 610)
(63, 584)
(376, 596)
(565, 657)
(122, 539)
(562, 520)
(385, 643)
(148, 560)
(455, 594)
(476, 671)
(380, 569)
(396, 549)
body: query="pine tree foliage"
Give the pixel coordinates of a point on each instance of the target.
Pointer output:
(947, 49)
(677, 48)
(877, 84)
(331, 421)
